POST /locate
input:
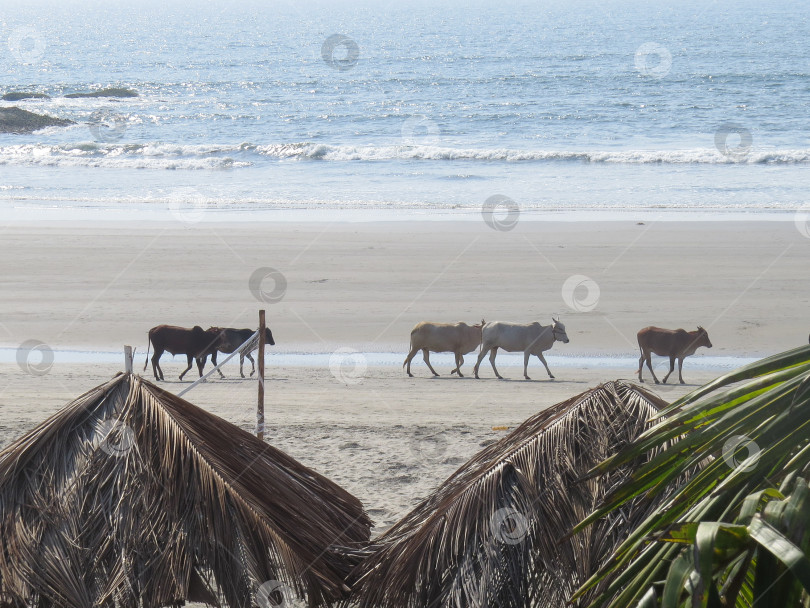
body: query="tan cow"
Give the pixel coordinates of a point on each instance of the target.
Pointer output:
(456, 338)
(672, 343)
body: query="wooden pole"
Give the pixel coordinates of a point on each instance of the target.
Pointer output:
(260, 409)
(128, 358)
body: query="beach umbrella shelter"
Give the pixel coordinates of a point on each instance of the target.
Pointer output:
(131, 496)
(494, 533)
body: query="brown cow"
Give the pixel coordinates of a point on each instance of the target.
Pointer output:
(672, 343)
(230, 339)
(457, 338)
(195, 343)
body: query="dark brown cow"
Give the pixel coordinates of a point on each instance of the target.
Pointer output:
(230, 339)
(672, 343)
(195, 343)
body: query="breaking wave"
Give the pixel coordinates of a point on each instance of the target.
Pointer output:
(212, 156)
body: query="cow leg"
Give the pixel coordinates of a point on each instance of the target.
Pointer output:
(543, 361)
(680, 370)
(190, 358)
(408, 359)
(459, 363)
(156, 364)
(492, 353)
(252, 364)
(241, 365)
(671, 367)
(201, 364)
(426, 357)
(640, 366)
(481, 355)
(214, 363)
(649, 365)
(526, 356)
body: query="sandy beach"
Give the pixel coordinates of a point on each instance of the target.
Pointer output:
(388, 438)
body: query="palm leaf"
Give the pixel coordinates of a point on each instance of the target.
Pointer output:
(490, 535)
(763, 408)
(131, 496)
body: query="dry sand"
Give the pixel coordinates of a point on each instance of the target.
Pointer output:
(388, 438)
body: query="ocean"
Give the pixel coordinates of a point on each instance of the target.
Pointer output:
(417, 109)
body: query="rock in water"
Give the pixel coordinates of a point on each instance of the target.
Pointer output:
(18, 95)
(17, 120)
(112, 92)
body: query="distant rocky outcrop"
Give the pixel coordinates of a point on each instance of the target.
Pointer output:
(17, 120)
(111, 92)
(18, 95)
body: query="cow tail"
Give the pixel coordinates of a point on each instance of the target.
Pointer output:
(149, 342)
(410, 348)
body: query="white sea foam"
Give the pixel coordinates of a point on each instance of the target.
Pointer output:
(156, 155)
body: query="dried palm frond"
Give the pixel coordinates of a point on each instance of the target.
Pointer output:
(131, 496)
(491, 534)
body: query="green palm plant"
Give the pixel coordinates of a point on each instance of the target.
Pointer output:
(730, 461)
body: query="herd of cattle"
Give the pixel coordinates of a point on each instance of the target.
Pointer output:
(458, 338)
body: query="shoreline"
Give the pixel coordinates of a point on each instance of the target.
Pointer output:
(325, 359)
(309, 212)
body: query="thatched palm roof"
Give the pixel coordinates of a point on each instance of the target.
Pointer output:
(131, 496)
(490, 535)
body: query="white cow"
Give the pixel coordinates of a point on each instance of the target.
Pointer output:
(532, 339)
(457, 338)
